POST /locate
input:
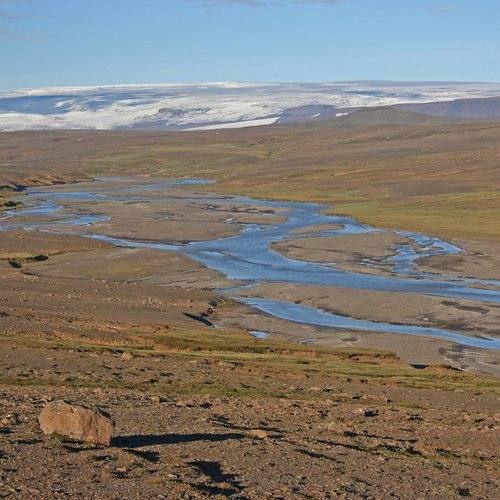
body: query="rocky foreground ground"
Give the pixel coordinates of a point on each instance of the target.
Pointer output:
(206, 412)
(202, 424)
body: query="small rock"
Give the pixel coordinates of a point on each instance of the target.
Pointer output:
(367, 413)
(78, 422)
(258, 433)
(342, 395)
(126, 355)
(155, 399)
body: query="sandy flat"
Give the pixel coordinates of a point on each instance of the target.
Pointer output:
(420, 351)
(342, 249)
(319, 227)
(34, 243)
(174, 222)
(134, 265)
(480, 259)
(462, 316)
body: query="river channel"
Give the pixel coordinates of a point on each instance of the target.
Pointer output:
(249, 259)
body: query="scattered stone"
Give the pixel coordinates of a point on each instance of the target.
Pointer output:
(342, 395)
(10, 419)
(126, 355)
(78, 422)
(258, 433)
(367, 413)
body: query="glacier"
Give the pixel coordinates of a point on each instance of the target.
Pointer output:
(206, 106)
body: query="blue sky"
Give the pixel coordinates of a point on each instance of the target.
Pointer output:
(89, 42)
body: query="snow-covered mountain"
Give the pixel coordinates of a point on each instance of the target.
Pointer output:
(213, 105)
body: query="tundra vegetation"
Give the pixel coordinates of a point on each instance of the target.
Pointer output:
(215, 412)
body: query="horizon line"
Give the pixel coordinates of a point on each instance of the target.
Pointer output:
(242, 83)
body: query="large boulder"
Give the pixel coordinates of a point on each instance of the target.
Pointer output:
(78, 422)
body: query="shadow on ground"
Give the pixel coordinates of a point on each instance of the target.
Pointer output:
(137, 441)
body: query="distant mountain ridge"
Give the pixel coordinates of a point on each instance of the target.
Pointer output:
(379, 116)
(480, 108)
(234, 104)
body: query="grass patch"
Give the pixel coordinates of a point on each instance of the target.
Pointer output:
(231, 350)
(232, 341)
(6, 201)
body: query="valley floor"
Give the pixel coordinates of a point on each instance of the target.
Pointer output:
(204, 412)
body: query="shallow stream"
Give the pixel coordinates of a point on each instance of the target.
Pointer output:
(248, 258)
